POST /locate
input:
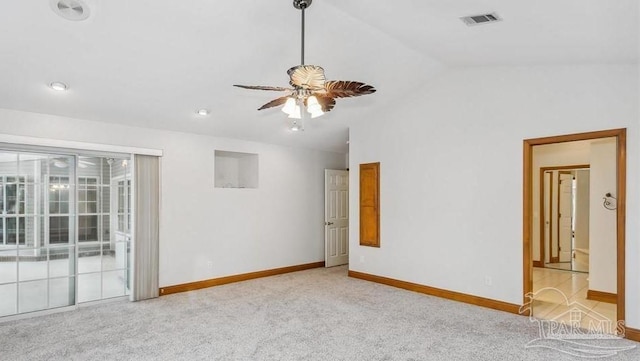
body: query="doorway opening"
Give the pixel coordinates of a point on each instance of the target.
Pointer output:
(564, 208)
(533, 209)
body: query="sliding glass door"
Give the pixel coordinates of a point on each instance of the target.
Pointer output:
(103, 254)
(37, 241)
(63, 238)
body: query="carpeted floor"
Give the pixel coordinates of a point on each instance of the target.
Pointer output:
(319, 314)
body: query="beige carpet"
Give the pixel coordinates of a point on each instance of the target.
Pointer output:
(319, 314)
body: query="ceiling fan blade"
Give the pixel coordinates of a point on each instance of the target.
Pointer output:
(346, 89)
(327, 103)
(307, 77)
(263, 87)
(274, 103)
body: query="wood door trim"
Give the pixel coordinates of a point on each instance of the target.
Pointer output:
(527, 214)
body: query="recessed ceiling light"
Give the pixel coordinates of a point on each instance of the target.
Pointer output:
(203, 112)
(58, 86)
(74, 10)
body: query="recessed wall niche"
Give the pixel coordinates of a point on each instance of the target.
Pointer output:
(235, 170)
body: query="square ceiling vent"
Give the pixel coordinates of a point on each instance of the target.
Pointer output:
(481, 19)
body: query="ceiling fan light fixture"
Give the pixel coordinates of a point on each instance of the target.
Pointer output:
(295, 113)
(296, 126)
(316, 114)
(309, 89)
(313, 107)
(289, 106)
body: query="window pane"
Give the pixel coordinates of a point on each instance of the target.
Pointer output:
(54, 194)
(29, 165)
(8, 268)
(32, 266)
(15, 230)
(113, 284)
(89, 258)
(92, 193)
(32, 296)
(88, 228)
(11, 230)
(9, 300)
(64, 194)
(59, 229)
(22, 235)
(61, 261)
(62, 292)
(12, 197)
(89, 287)
(106, 233)
(114, 258)
(82, 195)
(21, 199)
(54, 207)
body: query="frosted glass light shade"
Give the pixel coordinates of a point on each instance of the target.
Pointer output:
(295, 114)
(290, 106)
(313, 107)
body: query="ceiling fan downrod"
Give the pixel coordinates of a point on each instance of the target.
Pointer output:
(302, 5)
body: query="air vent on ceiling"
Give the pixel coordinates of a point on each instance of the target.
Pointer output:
(481, 19)
(74, 10)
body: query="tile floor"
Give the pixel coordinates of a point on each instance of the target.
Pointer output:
(562, 296)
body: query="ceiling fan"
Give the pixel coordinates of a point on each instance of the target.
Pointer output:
(309, 87)
(64, 163)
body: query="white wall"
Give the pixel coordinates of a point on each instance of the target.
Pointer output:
(582, 210)
(451, 172)
(602, 228)
(239, 230)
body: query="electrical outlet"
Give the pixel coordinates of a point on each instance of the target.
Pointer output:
(210, 264)
(488, 281)
(361, 259)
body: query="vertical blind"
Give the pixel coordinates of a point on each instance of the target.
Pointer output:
(146, 227)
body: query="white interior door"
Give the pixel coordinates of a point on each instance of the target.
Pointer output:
(336, 209)
(565, 217)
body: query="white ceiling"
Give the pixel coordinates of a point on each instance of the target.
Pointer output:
(152, 63)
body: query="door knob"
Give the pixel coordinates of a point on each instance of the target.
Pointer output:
(328, 223)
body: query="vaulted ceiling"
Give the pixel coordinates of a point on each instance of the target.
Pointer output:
(153, 63)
